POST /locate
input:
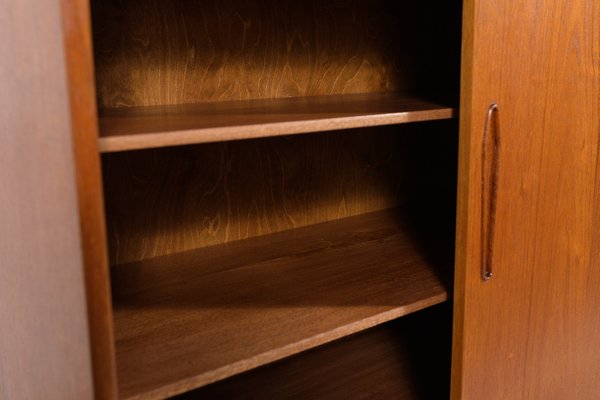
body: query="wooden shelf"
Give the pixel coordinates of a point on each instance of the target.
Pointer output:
(397, 360)
(186, 320)
(132, 128)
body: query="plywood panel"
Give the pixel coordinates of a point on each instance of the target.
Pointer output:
(176, 52)
(166, 201)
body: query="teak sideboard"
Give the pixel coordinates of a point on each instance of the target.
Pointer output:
(278, 199)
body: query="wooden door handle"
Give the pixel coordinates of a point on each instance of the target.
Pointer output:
(489, 189)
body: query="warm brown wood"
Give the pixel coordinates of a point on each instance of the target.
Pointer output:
(166, 201)
(157, 52)
(44, 336)
(589, 369)
(405, 359)
(530, 332)
(84, 129)
(160, 126)
(186, 320)
(466, 176)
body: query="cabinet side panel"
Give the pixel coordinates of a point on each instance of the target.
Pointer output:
(465, 211)
(44, 337)
(84, 128)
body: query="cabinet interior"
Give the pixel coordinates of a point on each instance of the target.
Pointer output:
(306, 239)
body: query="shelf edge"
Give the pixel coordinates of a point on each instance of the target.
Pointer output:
(141, 141)
(274, 355)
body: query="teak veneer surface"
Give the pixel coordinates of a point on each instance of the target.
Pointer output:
(84, 130)
(406, 359)
(158, 52)
(186, 320)
(165, 201)
(531, 332)
(131, 128)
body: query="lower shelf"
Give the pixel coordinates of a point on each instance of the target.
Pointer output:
(406, 359)
(187, 320)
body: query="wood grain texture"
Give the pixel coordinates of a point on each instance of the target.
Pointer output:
(226, 309)
(466, 178)
(589, 327)
(84, 129)
(178, 52)
(44, 335)
(150, 127)
(405, 359)
(171, 200)
(530, 332)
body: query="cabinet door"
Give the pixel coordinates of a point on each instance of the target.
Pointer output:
(532, 331)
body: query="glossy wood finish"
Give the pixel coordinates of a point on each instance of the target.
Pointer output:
(147, 127)
(166, 201)
(45, 350)
(186, 320)
(84, 129)
(407, 359)
(530, 332)
(158, 52)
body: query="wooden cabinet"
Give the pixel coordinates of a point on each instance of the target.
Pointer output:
(257, 199)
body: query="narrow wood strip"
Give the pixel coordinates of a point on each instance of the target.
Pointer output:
(84, 128)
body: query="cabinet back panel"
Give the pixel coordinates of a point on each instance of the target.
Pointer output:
(171, 200)
(154, 52)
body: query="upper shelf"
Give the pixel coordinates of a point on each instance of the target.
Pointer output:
(134, 128)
